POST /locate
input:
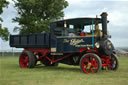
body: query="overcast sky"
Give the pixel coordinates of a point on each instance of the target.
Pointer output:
(117, 15)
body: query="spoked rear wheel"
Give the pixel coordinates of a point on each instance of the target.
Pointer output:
(90, 63)
(27, 59)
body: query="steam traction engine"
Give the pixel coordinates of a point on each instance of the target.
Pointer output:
(77, 41)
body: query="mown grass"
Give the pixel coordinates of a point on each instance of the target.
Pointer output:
(12, 74)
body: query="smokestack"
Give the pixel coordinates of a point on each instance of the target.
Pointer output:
(104, 24)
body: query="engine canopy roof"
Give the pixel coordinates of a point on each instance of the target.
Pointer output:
(80, 21)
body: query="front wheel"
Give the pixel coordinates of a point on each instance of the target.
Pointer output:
(90, 63)
(27, 59)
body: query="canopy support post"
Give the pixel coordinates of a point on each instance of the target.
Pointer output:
(92, 34)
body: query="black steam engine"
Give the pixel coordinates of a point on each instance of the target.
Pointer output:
(77, 41)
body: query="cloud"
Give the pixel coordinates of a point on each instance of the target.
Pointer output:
(10, 1)
(116, 9)
(8, 14)
(117, 15)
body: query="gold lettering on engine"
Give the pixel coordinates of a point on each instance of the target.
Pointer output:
(76, 41)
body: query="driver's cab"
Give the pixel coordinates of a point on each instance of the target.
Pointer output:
(76, 28)
(71, 34)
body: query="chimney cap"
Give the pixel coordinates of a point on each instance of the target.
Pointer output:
(104, 14)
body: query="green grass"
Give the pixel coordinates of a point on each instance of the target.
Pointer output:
(12, 74)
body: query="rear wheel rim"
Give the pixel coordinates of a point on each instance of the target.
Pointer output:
(89, 64)
(24, 60)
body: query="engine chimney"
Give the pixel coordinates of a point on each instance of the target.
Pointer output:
(104, 24)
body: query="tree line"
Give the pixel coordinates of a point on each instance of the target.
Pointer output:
(34, 16)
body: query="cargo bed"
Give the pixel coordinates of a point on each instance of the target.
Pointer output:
(30, 41)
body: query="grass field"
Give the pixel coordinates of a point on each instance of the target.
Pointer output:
(12, 74)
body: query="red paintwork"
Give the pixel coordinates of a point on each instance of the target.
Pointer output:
(24, 60)
(88, 50)
(106, 60)
(83, 34)
(89, 64)
(60, 25)
(43, 51)
(53, 60)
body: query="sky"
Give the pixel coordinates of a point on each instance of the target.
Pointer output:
(117, 15)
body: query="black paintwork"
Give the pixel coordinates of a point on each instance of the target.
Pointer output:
(50, 40)
(62, 43)
(70, 45)
(30, 41)
(104, 24)
(66, 44)
(83, 21)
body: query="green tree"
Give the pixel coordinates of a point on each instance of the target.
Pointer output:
(3, 31)
(35, 16)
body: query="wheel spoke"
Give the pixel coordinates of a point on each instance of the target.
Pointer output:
(94, 66)
(90, 64)
(91, 70)
(26, 60)
(92, 60)
(113, 63)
